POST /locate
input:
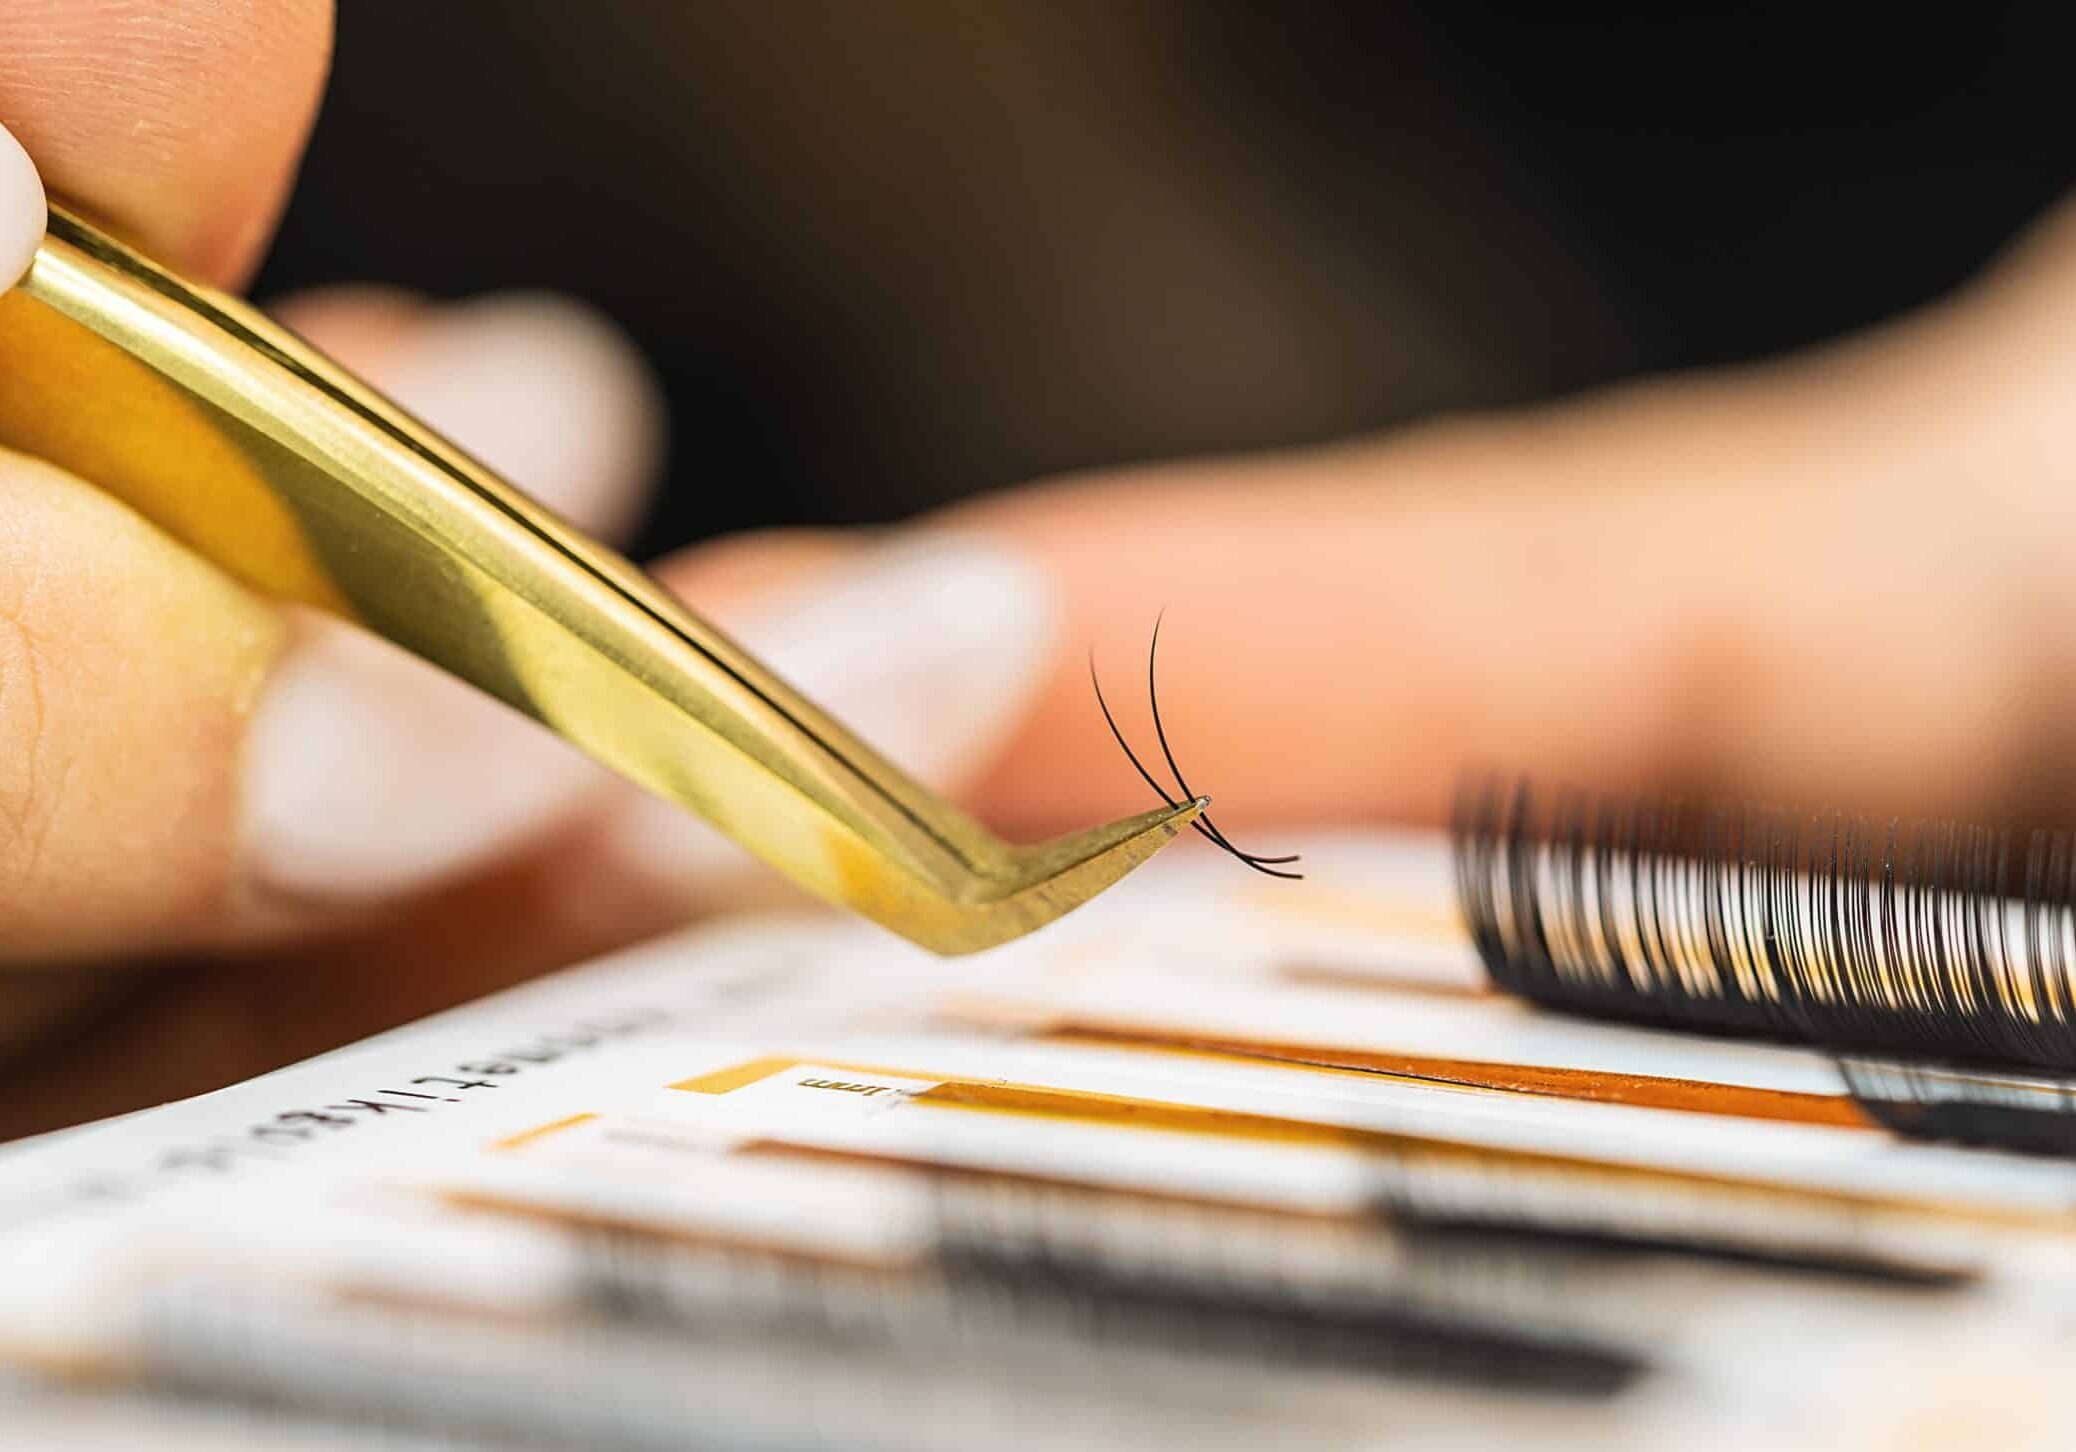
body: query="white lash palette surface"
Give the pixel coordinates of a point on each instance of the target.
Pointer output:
(1240, 1162)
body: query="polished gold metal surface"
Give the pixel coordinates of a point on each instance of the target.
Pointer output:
(259, 453)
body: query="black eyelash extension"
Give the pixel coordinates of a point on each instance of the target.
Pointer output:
(1203, 825)
(1098, 1301)
(1583, 1210)
(1018, 1265)
(1043, 1340)
(1621, 1243)
(1940, 939)
(1483, 1248)
(2029, 1113)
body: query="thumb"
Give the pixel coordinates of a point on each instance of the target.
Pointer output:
(183, 765)
(179, 122)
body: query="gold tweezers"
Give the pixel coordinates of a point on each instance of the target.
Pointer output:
(260, 454)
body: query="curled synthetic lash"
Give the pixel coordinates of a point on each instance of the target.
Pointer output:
(1942, 939)
(1203, 825)
(2027, 1112)
(1103, 1270)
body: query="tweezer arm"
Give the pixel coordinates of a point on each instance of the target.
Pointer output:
(262, 455)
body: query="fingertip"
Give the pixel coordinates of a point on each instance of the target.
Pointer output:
(360, 324)
(550, 392)
(368, 776)
(23, 210)
(544, 389)
(176, 122)
(929, 645)
(730, 578)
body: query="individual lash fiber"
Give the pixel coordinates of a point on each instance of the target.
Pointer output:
(1939, 938)
(1203, 826)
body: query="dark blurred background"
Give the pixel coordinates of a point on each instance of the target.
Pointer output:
(886, 253)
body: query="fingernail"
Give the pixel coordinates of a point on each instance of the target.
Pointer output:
(23, 213)
(370, 774)
(547, 392)
(930, 649)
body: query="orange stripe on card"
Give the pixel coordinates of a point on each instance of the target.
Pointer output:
(721, 1081)
(540, 1131)
(1410, 1149)
(1646, 1091)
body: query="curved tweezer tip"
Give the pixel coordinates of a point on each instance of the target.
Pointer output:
(1032, 886)
(1063, 874)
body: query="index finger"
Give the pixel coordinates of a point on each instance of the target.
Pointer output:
(1766, 585)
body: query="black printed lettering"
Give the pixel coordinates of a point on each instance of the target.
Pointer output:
(311, 1116)
(845, 1086)
(377, 1107)
(269, 1133)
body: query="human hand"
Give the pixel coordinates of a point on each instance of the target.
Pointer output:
(262, 803)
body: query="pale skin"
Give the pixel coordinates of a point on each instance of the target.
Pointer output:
(1847, 577)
